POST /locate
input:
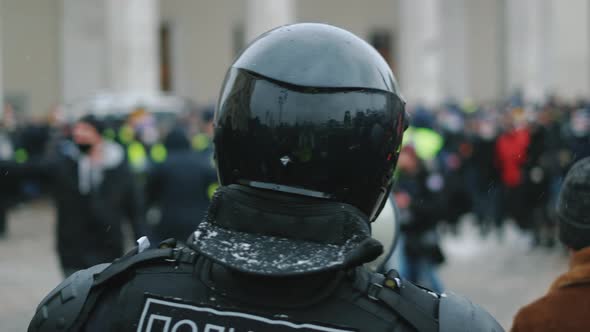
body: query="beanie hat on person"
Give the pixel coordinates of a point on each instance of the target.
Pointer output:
(573, 206)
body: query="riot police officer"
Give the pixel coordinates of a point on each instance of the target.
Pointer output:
(307, 133)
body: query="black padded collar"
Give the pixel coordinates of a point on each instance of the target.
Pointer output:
(266, 233)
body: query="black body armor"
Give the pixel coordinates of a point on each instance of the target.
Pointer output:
(163, 289)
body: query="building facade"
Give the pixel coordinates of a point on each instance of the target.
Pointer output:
(58, 51)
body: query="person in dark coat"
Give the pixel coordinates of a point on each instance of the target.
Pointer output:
(537, 180)
(481, 173)
(578, 135)
(94, 192)
(417, 195)
(180, 188)
(565, 306)
(452, 160)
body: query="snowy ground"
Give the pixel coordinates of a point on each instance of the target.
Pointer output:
(500, 276)
(28, 265)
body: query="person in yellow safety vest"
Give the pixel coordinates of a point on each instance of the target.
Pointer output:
(208, 152)
(137, 156)
(126, 134)
(21, 155)
(200, 142)
(135, 151)
(158, 153)
(110, 134)
(427, 142)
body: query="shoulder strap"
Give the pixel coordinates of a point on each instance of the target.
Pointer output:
(125, 263)
(167, 250)
(416, 305)
(69, 304)
(59, 310)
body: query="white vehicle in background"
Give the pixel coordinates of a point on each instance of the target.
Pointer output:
(117, 106)
(137, 121)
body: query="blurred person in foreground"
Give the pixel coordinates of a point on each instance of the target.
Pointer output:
(566, 305)
(93, 192)
(306, 137)
(179, 187)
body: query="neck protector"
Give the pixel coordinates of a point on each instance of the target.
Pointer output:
(265, 233)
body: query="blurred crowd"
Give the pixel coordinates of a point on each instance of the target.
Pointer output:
(498, 162)
(151, 168)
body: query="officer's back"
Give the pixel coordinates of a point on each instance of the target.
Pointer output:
(307, 134)
(242, 281)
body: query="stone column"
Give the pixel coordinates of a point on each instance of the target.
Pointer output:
(454, 49)
(570, 47)
(109, 45)
(83, 48)
(420, 51)
(263, 15)
(548, 48)
(449, 50)
(484, 49)
(529, 48)
(132, 47)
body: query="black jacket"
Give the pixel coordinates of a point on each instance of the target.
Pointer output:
(88, 224)
(179, 187)
(250, 267)
(482, 161)
(179, 290)
(419, 220)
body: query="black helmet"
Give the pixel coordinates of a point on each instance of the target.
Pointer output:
(311, 109)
